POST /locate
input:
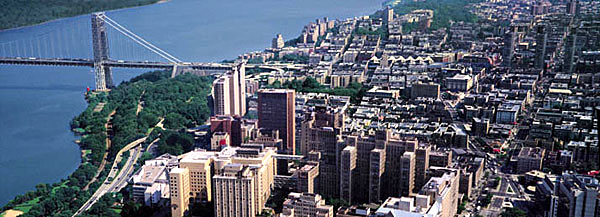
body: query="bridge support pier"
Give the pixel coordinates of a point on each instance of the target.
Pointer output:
(100, 77)
(102, 72)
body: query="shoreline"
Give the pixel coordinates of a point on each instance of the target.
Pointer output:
(81, 150)
(62, 18)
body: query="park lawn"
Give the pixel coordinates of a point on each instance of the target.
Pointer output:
(86, 153)
(63, 184)
(25, 207)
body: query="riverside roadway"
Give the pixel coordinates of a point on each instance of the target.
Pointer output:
(115, 182)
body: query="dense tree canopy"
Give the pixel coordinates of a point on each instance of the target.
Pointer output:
(15, 13)
(311, 85)
(444, 11)
(138, 105)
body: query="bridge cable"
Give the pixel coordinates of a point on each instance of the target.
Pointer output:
(156, 49)
(141, 43)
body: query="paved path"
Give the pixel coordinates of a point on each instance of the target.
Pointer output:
(108, 127)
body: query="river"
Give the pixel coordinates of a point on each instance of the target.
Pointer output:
(37, 102)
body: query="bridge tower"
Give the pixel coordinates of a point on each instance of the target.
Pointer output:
(103, 74)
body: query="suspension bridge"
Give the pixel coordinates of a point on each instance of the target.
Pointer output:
(50, 49)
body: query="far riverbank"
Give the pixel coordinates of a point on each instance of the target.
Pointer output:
(18, 15)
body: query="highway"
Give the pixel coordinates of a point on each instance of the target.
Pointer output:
(115, 182)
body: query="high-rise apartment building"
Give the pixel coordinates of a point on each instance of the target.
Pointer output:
(540, 46)
(321, 132)
(389, 14)
(395, 149)
(407, 173)
(378, 169)
(570, 51)
(276, 111)
(572, 7)
(348, 173)
(510, 41)
(421, 165)
(277, 42)
(220, 93)
(229, 91)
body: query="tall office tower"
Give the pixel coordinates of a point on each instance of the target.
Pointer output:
(235, 192)
(277, 42)
(570, 50)
(220, 92)
(276, 111)
(407, 173)
(540, 47)
(510, 38)
(421, 166)
(348, 173)
(306, 205)
(229, 91)
(321, 131)
(179, 186)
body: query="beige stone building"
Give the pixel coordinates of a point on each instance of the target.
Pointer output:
(438, 197)
(306, 205)
(235, 190)
(179, 186)
(195, 168)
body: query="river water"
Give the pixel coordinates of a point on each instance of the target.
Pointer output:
(37, 102)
